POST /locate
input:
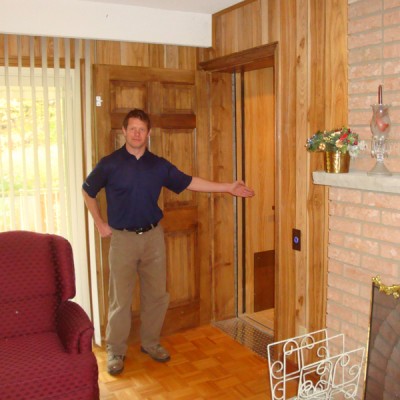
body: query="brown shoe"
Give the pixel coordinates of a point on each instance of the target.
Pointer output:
(115, 364)
(157, 353)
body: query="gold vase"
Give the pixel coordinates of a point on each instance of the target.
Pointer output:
(336, 162)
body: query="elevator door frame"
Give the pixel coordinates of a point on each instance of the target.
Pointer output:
(239, 63)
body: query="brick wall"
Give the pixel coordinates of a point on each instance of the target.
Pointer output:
(364, 241)
(364, 225)
(374, 59)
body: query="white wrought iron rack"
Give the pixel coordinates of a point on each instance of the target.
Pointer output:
(314, 366)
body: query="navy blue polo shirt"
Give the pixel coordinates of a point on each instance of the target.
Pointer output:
(133, 186)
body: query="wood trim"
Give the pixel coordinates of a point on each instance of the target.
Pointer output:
(317, 196)
(163, 75)
(302, 120)
(251, 59)
(255, 58)
(286, 296)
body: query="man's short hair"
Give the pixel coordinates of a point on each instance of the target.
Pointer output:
(139, 114)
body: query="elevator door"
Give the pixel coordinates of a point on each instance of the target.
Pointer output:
(256, 154)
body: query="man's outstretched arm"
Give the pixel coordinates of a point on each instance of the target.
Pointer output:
(237, 188)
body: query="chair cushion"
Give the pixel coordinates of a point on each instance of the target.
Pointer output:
(38, 367)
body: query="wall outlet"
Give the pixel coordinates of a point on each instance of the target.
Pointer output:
(296, 239)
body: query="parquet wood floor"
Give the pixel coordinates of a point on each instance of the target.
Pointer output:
(206, 364)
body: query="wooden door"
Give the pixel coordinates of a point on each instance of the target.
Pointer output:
(259, 172)
(169, 98)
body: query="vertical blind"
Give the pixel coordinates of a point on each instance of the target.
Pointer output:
(41, 136)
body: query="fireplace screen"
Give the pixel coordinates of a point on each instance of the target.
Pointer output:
(383, 369)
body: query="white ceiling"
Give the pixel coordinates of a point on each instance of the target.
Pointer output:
(175, 22)
(195, 6)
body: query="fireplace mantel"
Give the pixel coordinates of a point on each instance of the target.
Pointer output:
(359, 181)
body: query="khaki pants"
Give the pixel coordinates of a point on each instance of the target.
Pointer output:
(133, 255)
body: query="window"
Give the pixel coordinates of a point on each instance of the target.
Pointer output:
(33, 145)
(41, 146)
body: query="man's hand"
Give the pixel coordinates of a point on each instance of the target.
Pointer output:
(104, 229)
(241, 190)
(94, 210)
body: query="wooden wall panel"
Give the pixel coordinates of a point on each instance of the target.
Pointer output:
(336, 110)
(238, 28)
(251, 33)
(223, 228)
(205, 205)
(333, 53)
(316, 194)
(137, 54)
(285, 306)
(24, 44)
(107, 52)
(302, 103)
(145, 55)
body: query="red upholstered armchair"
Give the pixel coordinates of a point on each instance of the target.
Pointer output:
(45, 339)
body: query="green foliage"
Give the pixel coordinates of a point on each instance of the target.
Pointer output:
(336, 140)
(28, 140)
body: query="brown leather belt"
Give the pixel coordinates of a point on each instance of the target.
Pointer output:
(139, 231)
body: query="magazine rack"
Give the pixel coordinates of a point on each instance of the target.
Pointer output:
(314, 366)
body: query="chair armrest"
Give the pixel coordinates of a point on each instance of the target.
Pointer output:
(74, 328)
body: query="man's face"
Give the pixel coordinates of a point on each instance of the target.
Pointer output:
(136, 134)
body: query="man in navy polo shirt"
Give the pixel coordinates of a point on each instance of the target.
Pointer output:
(133, 178)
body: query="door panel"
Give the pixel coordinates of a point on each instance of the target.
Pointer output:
(179, 145)
(182, 279)
(177, 98)
(264, 280)
(169, 97)
(259, 171)
(123, 94)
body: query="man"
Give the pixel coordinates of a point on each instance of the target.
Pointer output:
(133, 178)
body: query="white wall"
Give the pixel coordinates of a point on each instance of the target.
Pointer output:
(94, 20)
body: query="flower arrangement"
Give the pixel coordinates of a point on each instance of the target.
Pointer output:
(343, 140)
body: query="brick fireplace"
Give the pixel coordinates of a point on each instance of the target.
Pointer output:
(364, 241)
(364, 211)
